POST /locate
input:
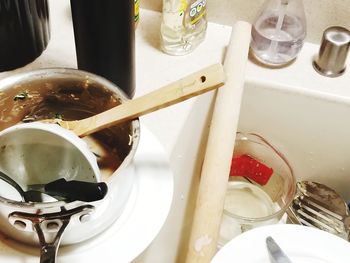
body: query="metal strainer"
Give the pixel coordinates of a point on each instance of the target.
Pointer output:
(319, 206)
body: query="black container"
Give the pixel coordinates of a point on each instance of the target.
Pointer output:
(105, 40)
(24, 31)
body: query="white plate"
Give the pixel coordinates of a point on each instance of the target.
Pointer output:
(302, 244)
(144, 215)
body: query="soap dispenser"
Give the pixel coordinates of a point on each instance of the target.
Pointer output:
(183, 26)
(278, 32)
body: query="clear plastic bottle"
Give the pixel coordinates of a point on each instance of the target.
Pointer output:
(278, 32)
(183, 25)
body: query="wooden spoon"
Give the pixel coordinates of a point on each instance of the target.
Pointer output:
(195, 84)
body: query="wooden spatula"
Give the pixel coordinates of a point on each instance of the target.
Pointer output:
(195, 84)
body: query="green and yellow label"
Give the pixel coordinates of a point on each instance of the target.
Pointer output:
(197, 10)
(137, 10)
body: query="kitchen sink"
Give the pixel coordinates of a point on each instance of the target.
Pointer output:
(303, 114)
(311, 131)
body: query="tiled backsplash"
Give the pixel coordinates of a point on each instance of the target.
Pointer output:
(320, 14)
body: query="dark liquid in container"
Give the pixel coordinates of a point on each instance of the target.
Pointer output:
(24, 31)
(69, 100)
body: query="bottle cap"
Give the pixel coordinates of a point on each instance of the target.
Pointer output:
(333, 52)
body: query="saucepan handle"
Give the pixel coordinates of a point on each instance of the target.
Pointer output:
(48, 254)
(57, 221)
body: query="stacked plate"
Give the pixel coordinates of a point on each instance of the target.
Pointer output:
(301, 244)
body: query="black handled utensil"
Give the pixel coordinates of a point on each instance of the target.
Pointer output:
(73, 190)
(60, 189)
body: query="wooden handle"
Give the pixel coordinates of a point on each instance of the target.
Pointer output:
(197, 83)
(218, 155)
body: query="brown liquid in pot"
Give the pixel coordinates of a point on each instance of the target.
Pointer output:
(69, 100)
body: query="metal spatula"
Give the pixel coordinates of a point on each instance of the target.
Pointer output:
(319, 206)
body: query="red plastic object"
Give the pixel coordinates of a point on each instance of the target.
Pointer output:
(244, 165)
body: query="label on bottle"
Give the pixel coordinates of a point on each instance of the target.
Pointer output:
(183, 6)
(197, 10)
(136, 10)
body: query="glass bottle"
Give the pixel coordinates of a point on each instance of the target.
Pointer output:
(183, 25)
(278, 32)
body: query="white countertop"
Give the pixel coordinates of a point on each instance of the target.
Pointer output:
(154, 69)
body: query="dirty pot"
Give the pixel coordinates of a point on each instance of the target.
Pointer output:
(69, 94)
